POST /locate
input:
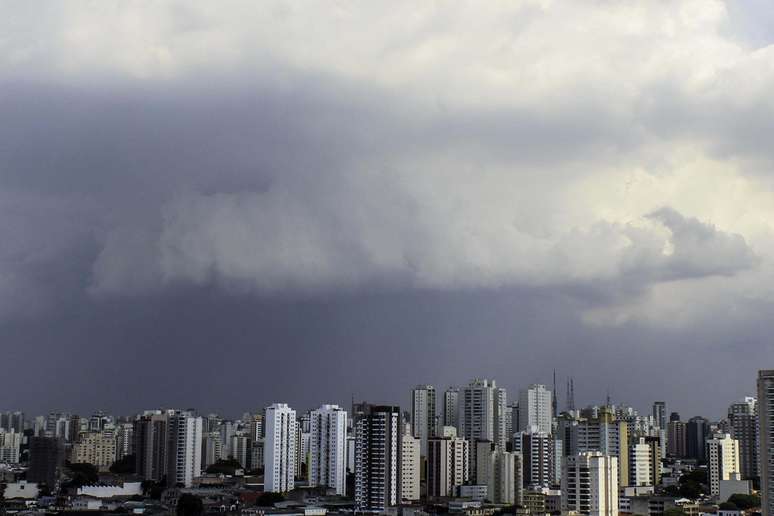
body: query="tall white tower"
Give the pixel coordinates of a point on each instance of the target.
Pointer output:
(184, 448)
(328, 448)
(423, 422)
(280, 448)
(535, 407)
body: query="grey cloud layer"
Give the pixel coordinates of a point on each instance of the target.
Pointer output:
(563, 176)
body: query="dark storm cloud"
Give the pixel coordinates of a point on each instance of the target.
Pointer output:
(215, 228)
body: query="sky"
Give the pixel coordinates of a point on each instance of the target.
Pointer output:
(227, 204)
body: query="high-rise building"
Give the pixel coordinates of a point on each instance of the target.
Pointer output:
(184, 448)
(535, 409)
(660, 414)
(409, 468)
(497, 469)
(96, 448)
(150, 446)
(10, 446)
(328, 448)
(124, 440)
(211, 449)
(12, 422)
(766, 439)
(451, 397)
(447, 465)
(280, 448)
(423, 420)
(482, 416)
(538, 452)
(655, 457)
(640, 465)
(743, 422)
(240, 449)
(676, 438)
(590, 484)
(723, 460)
(696, 432)
(377, 458)
(46, 460)
(605, 434)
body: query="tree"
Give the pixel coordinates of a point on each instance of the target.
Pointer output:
(81, 474)
(744, 502)
(224, 467)
(123, 466)
(674, 511)
(189, 505)
(728, 506)
(267, 499)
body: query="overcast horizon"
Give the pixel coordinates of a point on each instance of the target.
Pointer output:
(224, 205)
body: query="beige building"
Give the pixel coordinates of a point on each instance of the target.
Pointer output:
(409, 467)
(590, 484)
(97, 448)
(723, 459)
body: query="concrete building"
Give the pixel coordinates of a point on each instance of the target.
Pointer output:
(766, 439)
(184, 448)
(640, 465)
(410, 447)
(743, 423)
(482, 416)
(280, 448)
(723, 460)
(124, 440)
(377, 458)
(447, 465)
(211, 449)
(423, 418)
(535, 409)
(46, 460)
(538, 451)
(10, 446)
(97, 448)
(676, 439)
(451, 399)
(602, 433)
(328, 448)
(590, 484)
(150, 445)
(499, 471)
(696, 433)
(660, 414)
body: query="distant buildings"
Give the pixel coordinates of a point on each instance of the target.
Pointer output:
(280, 448)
